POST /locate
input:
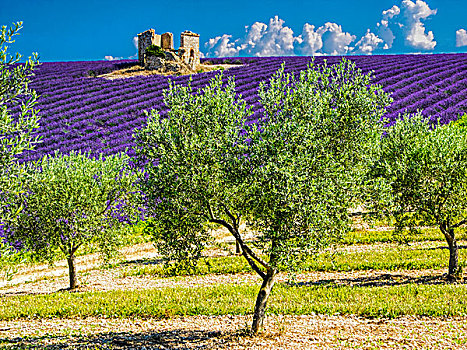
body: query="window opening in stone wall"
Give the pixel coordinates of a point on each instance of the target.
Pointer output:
(192, 56)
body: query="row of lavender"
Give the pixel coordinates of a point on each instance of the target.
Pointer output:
(82, 112)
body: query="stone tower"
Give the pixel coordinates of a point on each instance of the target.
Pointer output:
(188, 53)
(189, 48)
(167, 41)
(145, 39)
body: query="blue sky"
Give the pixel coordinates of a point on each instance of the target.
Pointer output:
(94, 30)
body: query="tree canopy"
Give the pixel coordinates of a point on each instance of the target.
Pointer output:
(68, 201)
(419, 177)
(290, 177)
(18, 117)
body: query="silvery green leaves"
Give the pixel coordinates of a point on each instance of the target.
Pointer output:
(420, 177)
(290, 178)
(16, 132)
(308, 155)
(191, 157)
(72, 200)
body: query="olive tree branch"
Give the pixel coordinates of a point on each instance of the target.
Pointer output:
(249, 255)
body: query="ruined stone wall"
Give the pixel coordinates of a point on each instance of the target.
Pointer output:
(188, 53)
(189, 48)
(153, 62)
(171, 63)
(167, 41)
(157, 40)
(145, 39)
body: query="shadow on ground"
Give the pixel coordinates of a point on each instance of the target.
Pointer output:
(150, 261)
(175, 339)
(382, 280)
(445, 247)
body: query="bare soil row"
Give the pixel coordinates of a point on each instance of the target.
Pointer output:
(228, 332)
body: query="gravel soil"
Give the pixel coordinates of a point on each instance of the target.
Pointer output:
(115, 279)
(136, 71)
(43, 279)
(219, 332)
(229, 332)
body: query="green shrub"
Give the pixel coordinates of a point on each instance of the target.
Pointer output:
(420, 173)
(461, 121)
(16, 134)
(155, 51)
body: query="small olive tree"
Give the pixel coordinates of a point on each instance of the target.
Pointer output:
(290, 179)
(16, 131)
(71, 200)
(419, 177)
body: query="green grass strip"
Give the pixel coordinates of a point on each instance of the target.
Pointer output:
(393, 301)
(391, 259)
(425, 234)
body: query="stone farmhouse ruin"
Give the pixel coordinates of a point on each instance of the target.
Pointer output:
(186, 57)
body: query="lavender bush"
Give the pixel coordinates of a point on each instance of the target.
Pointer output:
(82, 112)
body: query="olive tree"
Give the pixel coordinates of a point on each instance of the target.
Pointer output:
(419, 177)
(290, 178)
(71, 200)
(16, 129)
(308, 161)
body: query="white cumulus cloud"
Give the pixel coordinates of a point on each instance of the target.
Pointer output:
(276, 39)
(335, 41)
(309, 42)
(407, 21)
(387, 36)
(368, 43)
(328, 39)
(112, 58)
(384, 31)
(273, 39)
(393, 11)
(221, 46)
(461, 37)
(414, 12)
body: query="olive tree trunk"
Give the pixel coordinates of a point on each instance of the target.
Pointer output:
(72, 272)
(261, 301)
(238, 249)
(453, 270)
(453, 260)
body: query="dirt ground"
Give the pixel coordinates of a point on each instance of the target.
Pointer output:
(229, 332)
(135, 71)
(92, 276)
(218, 332)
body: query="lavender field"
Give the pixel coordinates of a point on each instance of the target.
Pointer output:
(83, 112)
